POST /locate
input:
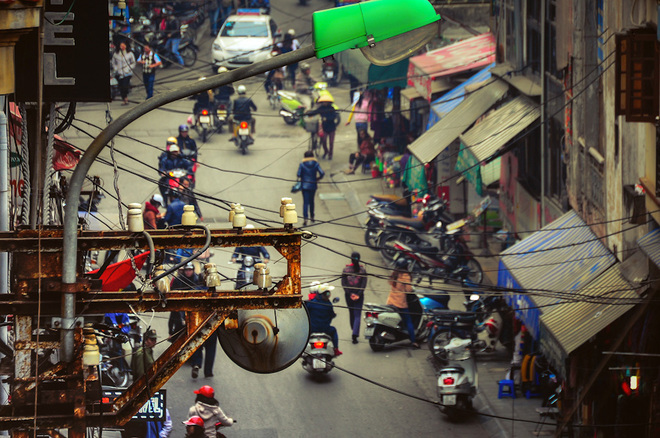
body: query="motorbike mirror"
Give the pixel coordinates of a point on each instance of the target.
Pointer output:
(335, 300)
(474, 297)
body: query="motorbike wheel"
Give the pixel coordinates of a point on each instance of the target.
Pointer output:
(244, 147)
(204, 135)
(289, 120)
(371, 236)
(376, 343)
(386, 245)
(476, 274)
(189, 56)
(437, 345)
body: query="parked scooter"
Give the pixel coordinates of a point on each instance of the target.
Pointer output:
(411, 230)
(384, 325)
(483, 320)
(457, 381)
(383, 207)
(292, 109)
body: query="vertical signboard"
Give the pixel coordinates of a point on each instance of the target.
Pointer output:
(75, 61)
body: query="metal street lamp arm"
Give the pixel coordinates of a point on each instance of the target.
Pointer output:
(70, 241)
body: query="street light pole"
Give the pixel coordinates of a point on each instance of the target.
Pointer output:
(70, 241)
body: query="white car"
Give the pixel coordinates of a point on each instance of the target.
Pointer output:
(245, 38)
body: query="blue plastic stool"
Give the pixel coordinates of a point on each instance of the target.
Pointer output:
(507, 389)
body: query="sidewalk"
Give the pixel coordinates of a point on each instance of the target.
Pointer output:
(492, 366)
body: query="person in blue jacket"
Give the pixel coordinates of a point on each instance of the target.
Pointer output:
(321, 314)
(309, 172)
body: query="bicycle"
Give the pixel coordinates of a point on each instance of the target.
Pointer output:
(311, 125)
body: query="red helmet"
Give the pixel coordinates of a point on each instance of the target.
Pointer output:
(206, 391)
(194, 421)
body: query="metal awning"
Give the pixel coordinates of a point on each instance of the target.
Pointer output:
(550, 265)
(465, 55)
(569, 325)
(457, 121)
(650, 245)
(500, 126)
(450, 100)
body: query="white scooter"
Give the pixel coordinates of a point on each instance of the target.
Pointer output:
(458, 380)
(319, 354)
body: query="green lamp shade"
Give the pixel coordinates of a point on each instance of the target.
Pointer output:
(389, 30)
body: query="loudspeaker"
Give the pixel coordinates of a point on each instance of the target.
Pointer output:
(265, 340)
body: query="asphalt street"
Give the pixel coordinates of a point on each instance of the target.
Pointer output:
(370, 394)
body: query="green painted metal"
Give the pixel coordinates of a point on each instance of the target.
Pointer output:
(348, 27)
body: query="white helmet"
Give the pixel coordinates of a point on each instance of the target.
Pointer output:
(222, 69)
(325, 288)
(291, 32)
(241, 89)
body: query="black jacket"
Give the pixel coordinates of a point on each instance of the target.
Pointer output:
(243, 107)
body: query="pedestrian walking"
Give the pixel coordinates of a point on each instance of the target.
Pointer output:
(309, 173)
(150, 62)
(143, 357)
(123, 64)
(208, 409)
(361, 113)
(354, 281)
(174, 211)
(401, 286)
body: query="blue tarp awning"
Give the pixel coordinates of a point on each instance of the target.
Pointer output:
(451, 99)
(550, 265)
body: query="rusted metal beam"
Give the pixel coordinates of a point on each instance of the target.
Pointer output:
(105, 302)
(204, 324)
(51, 240)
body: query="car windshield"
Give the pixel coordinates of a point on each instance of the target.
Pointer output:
(245, 29)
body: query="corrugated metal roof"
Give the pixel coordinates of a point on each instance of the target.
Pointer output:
(650, 244)
(558, 259)
(500, 126)
(443, 133)
(450, 100)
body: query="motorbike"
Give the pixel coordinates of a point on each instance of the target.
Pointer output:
(174, 177)
(242, 138)
(483, 320)
(457, 381)
(204, 122)
(222, 112)
(114, 348)
(318, 356)
(381, 207)
(448, 258)
(411, 230)
(245, 273)
(384, 325)
(329, 72)
(292, 109)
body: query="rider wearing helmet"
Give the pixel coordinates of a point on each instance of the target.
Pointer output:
(224, 93)
(243, 107)
(304, 83)
(321, 314)
(203, 100)
(187, 145)
(170, 159)
(195, 427)
(207, 407)
(328, 115)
